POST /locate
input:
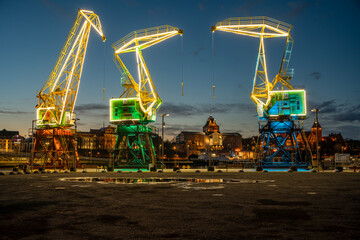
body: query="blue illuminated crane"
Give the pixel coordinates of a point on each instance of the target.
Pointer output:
(281, 112)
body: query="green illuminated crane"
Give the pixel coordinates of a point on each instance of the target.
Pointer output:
(142, 93)
(138, 104)
(58, 95)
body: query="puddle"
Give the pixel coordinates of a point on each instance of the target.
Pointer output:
(190, 186)
(141, 180)
(218, 195)
(156, 180)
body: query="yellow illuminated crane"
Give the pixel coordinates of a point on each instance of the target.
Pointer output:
(138, 104)
(55, 111)
(58, 95)
(263, 27)
(143, 90)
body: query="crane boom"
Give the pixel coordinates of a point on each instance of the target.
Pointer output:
(142, 92)
(263, 94)
(58, 95)
(260, 27)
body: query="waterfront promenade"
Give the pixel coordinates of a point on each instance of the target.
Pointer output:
(222, 205)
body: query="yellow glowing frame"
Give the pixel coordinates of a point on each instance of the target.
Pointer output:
(144, 89)
(262, 27)
(61, 88)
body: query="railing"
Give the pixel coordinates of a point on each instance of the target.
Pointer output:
(148, 32)
(255, 21)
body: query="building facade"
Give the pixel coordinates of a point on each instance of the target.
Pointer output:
(209, 140)
(96, 142)
(11, 142)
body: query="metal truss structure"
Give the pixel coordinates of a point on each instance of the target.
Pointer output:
(138, 104)
(55, 111)
(144, 89)
(280, 147)
(55, 148)
(134, 147)
(278, 108)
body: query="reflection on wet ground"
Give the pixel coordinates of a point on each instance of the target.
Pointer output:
(153, 180)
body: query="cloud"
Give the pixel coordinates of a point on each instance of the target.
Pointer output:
(197, 51)
(336, 116)
(246, 7)
(297, 8)
(179, 109)
(191, 110)
(86, 108)
(12, 112)
(230, 107)
(58, 9)
(299, 86)
(202, 5)
(158, 11)
(328, 106)
(130, 3)
(316, 75)
(351, 114)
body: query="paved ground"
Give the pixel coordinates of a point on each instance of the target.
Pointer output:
(246, 205)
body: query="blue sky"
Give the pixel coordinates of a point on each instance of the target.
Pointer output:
(325, 59)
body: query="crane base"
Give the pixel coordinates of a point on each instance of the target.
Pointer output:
(54, 148)
(279, 146)
(134, 148)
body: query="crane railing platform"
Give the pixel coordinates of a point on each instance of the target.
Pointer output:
(253, 21)
(144, 35)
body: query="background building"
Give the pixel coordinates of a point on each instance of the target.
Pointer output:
(209, 140)
(97, 142)
(11, 142)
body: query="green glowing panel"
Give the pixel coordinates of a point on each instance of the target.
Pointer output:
(46, 117)
(290, 103)
(127, 110)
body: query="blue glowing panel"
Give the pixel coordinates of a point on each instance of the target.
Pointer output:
(290, 103)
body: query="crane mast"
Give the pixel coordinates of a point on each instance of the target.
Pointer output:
(54, 141)
(58, 95)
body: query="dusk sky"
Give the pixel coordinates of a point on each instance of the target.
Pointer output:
(325, 58)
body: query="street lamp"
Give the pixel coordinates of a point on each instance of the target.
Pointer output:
(75, 144)
(32, 144)
(316, 110)
(162, 135)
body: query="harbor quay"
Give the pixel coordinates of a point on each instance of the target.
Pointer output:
(180, 205)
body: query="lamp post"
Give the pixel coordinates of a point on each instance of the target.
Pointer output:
(32, 145)
(162, 136)
(316, 110)
(75, 144)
